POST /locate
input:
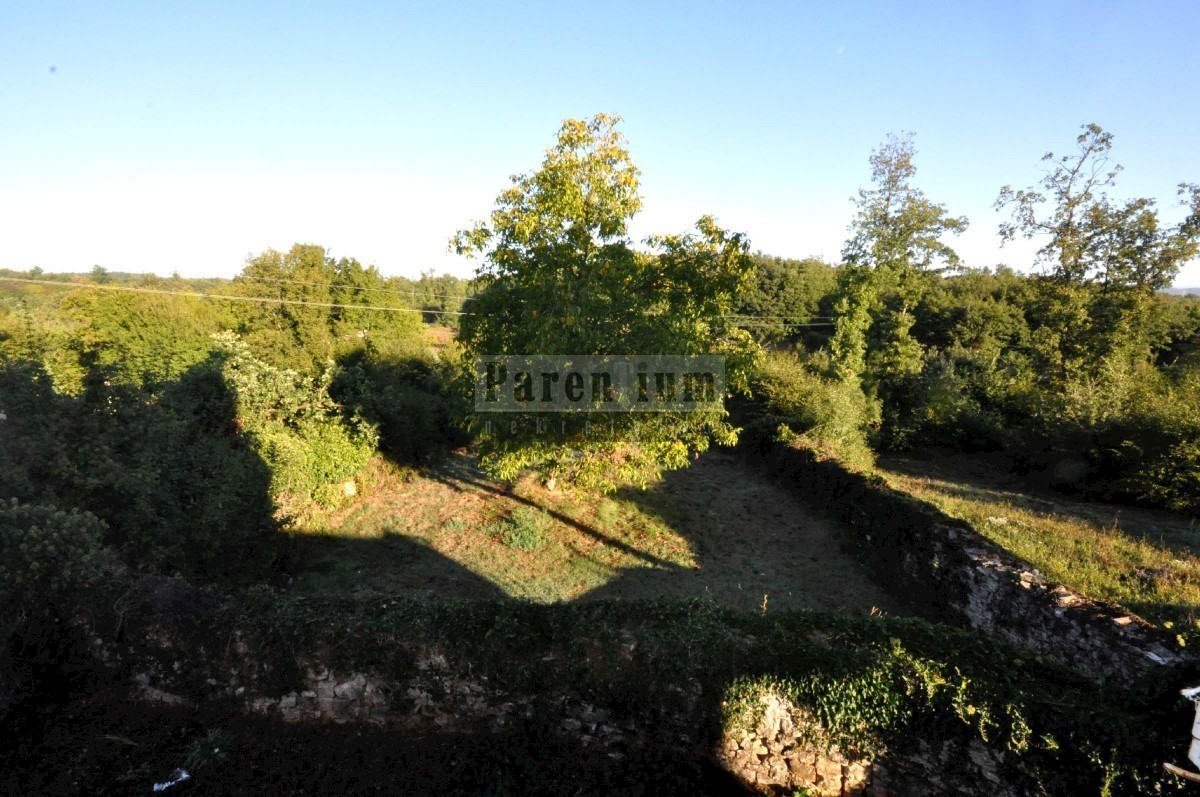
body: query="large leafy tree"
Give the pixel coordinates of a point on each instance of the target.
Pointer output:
(895, 240)
(560, 275)
(1102, 260)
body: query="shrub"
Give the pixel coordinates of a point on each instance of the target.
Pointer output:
(1173, 479)
(46, 554)
(959, 399)
(302, 434)
(830, 415)
(411, 401)
(1130, 439)
(176, 484)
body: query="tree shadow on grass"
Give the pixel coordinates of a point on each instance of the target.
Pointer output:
(371, 564)
(458, 477)
(751, 541)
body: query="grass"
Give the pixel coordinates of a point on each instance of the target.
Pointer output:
(719, 530)
(1142, 560)
(526, 529)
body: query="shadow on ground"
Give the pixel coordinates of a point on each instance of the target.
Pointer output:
(719, 530)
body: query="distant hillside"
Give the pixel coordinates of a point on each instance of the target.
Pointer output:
(1183, 291)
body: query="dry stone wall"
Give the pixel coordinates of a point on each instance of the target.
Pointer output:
(949, 573)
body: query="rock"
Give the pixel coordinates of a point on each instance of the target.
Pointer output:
(856, 778)
(351, 689)
(829, 775)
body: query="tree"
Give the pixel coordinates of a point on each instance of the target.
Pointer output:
(788, 292)
(1103, 260)
(301, 329)
(560, 275)
(895, 240)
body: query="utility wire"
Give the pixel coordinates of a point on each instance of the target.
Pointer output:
(353, 287)
(741, 321)
(252, 299)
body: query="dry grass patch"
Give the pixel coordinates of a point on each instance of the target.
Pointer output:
(718, 530)
(1143, 560)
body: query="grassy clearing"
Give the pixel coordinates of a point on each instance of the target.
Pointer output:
(718, 530)
(1145, 561)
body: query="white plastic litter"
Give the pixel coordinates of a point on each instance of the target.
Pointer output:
(177, 777)
(1193, 694)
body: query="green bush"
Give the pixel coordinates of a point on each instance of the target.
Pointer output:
(176, 483)
(830, 415)
(1129, 437)
(309, 446)
(961, 398)
(143, 339)
(1173, 479)
(412, 401)
(47, 553)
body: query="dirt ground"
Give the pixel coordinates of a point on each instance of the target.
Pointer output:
(717, 530)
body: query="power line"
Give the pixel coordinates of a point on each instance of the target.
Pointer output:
(781, 317)
(252, 299)
(741, 321)
(770, 325)
(353, 287)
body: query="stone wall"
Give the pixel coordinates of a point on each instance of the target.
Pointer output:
(179, 647)
(782, 751)
(949, 573)
(785, 750)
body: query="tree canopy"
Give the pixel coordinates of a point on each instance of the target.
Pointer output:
(560, 275)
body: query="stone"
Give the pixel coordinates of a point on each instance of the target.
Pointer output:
(351, 689)
(856, 778)
(803, 767)
(829, 774)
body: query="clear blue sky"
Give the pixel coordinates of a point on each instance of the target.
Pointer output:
(153, 136)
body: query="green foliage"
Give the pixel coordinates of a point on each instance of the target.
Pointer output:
(1127, 434)
(895, 241)
(440, 296)
(305, 336)
(526, 529)
(311, 449)
(46, 554)
(561, 276)
(831, 416)
(175, 483)
(208, 750)
(878, 692)
(1172, 479)
(413, 402)
(143, 338)
(789, 292)
(1104, 259)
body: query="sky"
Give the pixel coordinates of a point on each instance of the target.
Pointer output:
(185, 137)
